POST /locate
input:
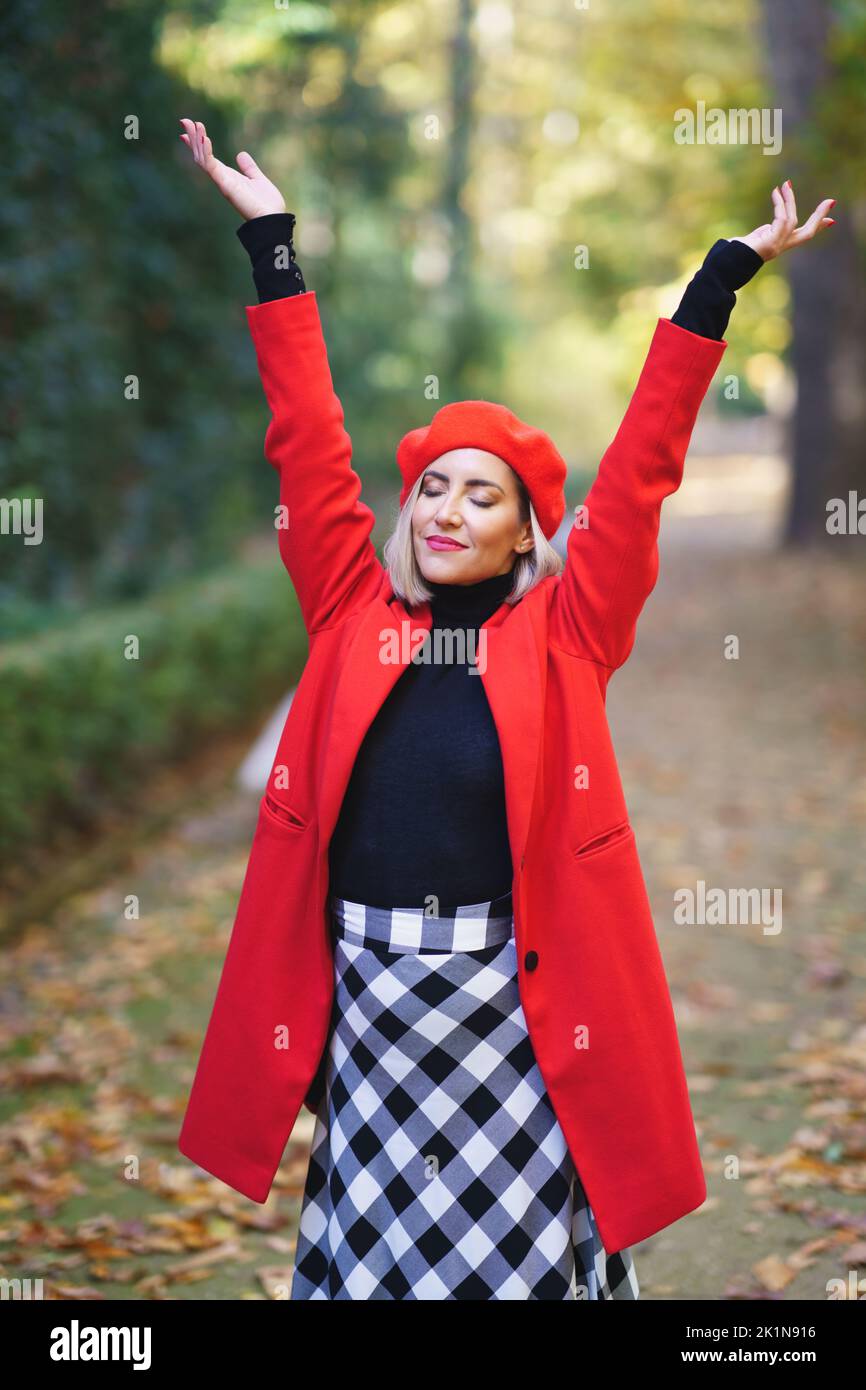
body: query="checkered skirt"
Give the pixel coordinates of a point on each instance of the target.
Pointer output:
(438, 1169)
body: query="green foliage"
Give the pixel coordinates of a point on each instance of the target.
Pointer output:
(124, 267)
(82, 719)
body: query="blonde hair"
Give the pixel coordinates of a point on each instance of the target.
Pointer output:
(408, 582)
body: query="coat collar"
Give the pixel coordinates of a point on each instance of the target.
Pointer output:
(514, 682)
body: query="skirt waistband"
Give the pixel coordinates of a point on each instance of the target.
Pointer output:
(468, 928)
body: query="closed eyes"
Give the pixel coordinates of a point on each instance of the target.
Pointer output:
(427, 493)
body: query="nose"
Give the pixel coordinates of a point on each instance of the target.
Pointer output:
(448, 513)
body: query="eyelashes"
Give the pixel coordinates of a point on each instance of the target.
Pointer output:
(425, 492)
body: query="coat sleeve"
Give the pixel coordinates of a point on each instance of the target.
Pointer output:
(612, 558)
(325, 529)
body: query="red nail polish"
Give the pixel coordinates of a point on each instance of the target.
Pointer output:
(833, 204)
(832, 221)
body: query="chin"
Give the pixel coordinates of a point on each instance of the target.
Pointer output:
(443, 565)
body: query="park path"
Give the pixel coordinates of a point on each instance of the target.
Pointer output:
(745, 773)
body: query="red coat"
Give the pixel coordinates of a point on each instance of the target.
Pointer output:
(591, 979)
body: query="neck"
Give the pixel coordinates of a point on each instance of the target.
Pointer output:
(469, 603)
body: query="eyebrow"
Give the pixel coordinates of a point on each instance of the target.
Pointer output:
(470, 482)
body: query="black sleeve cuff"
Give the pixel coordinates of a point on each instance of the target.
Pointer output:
(733, 262)
(265, 239)
(706, 305)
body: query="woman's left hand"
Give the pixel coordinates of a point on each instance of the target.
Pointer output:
(782, 233)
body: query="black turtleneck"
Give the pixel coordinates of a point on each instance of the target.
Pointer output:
(424, 811)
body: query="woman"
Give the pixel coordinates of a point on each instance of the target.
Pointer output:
(443, 1163)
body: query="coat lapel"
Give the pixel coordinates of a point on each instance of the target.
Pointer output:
(513, 682)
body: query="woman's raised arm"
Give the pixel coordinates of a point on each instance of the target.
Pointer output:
(612, 551)
(323, 527)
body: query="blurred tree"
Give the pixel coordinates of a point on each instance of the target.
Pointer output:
(816, 53)
(113, 335)
(465, 317)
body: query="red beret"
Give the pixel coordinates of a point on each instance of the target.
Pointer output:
(485, 425)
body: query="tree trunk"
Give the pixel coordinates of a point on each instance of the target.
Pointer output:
(829, 314)
(458, 292)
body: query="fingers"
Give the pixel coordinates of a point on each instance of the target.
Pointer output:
(818, 219)
(192, 138)
(790, 204)
(780, 213)
(248, 166)
(785, 232)
(198, 140)
(205, 145)
(188, 133)
(788, 223)
(784, 222)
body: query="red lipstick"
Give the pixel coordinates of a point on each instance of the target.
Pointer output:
(443, 543)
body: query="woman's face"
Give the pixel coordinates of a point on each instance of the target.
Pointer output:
(469, 498)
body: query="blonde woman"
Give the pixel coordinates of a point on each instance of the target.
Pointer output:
(443, 942)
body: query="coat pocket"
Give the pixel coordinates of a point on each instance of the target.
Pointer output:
(604, 840)
(282, 816)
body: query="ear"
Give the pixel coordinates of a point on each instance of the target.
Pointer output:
(526, 543)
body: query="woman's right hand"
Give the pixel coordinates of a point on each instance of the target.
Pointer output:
(249, 192)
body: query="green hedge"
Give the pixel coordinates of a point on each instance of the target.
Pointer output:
(81, 720)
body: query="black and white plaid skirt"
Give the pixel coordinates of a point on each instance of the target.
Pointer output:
(438, 1169)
